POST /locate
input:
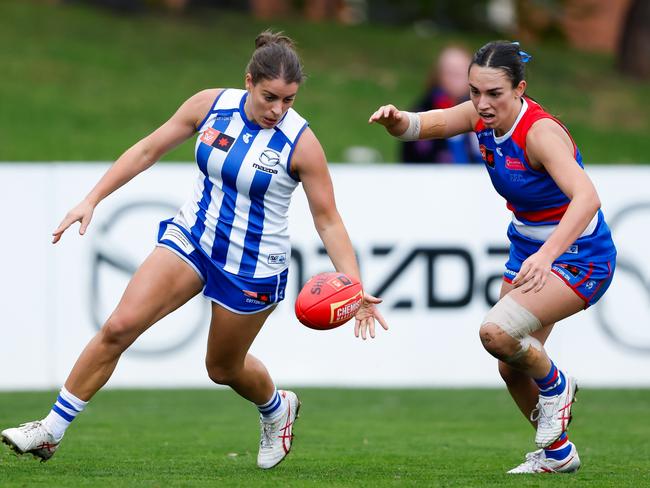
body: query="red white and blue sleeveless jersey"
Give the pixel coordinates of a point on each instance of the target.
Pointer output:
(536, 202)
(238, 213)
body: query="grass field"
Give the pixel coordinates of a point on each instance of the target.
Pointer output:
(83, 84)
(360, 438)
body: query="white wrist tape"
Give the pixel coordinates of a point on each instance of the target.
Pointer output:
(412, 132)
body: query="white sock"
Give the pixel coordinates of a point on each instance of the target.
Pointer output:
(64, 411)
(274, 408)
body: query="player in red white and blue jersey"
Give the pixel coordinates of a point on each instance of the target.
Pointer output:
(230, 240)
(562, 256)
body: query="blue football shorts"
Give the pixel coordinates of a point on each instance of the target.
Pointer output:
(235, 293)
(588, 280)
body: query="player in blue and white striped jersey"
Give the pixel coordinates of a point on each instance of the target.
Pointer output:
(230, 240)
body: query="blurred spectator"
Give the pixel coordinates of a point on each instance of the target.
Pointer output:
(447, 86)
(344, 11)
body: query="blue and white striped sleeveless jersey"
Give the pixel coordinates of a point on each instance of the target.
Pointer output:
(238, 213)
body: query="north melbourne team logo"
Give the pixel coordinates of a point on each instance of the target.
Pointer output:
(267, 160)
(217, 139)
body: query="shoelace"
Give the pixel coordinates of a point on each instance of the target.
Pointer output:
(541, 414)
(29, 427)
(535, 454)
(537, 464)
(534, 462)
(267, 433)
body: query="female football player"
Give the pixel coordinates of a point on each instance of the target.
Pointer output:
(562, 257)
(230, 240)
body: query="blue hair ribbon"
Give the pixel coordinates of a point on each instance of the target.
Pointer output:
(525, 57)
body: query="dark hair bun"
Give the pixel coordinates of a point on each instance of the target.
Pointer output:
(267, 38)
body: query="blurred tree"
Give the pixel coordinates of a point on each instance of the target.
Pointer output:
(447, 15)
(634, 48)
(539, 19)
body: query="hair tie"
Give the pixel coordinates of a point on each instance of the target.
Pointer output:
(525, 57)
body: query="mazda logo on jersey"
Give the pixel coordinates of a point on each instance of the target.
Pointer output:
(269, 158)
(122, 241)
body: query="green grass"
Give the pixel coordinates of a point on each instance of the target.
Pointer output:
(83, 84)
(360, 438)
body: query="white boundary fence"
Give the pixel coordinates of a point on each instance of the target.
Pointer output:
(430, 239)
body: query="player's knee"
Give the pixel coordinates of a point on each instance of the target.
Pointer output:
(507, 328)
(496, 341)
(120, 329)
(221, 374)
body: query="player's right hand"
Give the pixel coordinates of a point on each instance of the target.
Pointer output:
(366, 316)
(82, 213)
(386, 115)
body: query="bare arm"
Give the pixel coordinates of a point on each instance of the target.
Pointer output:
(433, 124)
(139, 157)
(549, 146)
(310, 164)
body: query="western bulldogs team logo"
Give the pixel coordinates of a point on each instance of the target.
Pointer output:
(488, 155)
(267, 160)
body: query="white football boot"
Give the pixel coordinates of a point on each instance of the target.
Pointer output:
(537, 462)
(277, 436)
(31, 438)
(553, 414)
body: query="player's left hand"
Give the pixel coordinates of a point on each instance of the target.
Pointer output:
(533, 273)
(366, 315)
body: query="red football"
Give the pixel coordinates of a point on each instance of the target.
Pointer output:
(328, 300)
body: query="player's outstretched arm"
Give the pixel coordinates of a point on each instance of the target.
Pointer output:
(433, 124)
(139, 157)
(394, 120)
(310, 164)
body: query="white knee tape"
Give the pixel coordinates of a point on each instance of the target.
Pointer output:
(525, 344)
(512, 318)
